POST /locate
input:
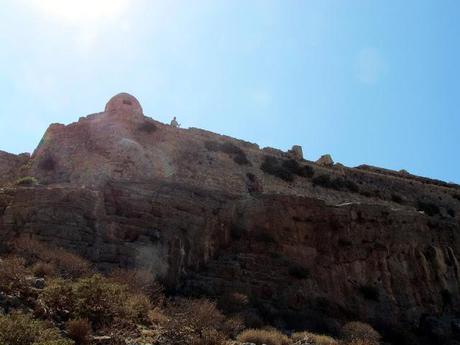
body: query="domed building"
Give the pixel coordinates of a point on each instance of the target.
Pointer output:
(124, 102)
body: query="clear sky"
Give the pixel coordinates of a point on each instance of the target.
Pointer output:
(373, 82)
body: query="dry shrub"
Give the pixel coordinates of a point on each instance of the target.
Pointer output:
(191, 320)
(58, 299)
(99, 300)
(44, 269)
(21, 329)
(29, 249)
(360, 342)
(139, 281)
(95, 298)
(263, 336)
(314, 339)
(209, 337)
(198, 314)
(354, 331)
(67, 264)
(233, 326)
(13, 274)
(138, 307)
(79, 331)
(71, 265)
(157, 317)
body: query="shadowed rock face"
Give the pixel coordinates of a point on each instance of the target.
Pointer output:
(310, 245)
(10, 166)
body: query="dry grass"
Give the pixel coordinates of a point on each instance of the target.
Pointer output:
(263, 336)
(314, 339)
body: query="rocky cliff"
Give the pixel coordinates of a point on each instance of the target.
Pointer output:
(311, 245)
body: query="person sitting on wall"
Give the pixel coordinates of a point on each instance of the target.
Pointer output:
(174, 122)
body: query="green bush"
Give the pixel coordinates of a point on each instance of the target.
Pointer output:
(337, 183)
(58, 299)
(99, 300)
(27, 181)
(147, 127)
(295, 168)
(285, 169)
(273, 166)
(21, 329)
(230, 149)
(95, 298)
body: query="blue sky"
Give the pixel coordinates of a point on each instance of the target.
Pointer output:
(373, 82)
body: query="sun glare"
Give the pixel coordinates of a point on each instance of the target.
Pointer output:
(81, 11)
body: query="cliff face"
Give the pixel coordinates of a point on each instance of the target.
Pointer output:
(310, 245)
(10, 166)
